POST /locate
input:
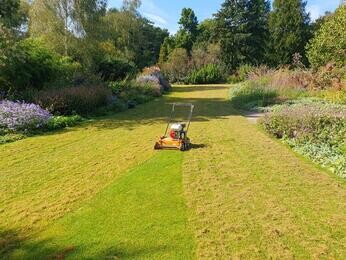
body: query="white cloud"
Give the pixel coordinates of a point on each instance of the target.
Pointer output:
(153, 12)
(315, 11)
(155, 18)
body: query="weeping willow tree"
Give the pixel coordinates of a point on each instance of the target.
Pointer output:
(61, 22)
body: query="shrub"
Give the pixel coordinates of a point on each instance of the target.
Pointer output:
(135, 91)
(241, 74)
(249, 95)
(329, 43)
(202, 56)
(314, 129)
(114, 69)
(31, 66)
(81, 100)
(208, 74)
(154, 74)
(22, 116)
(59, 122)
(178, 66)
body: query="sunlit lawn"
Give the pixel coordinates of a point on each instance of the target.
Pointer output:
(100, 191)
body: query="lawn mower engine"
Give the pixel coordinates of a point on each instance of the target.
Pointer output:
(177, 131)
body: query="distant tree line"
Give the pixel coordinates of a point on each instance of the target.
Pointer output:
(251, 32)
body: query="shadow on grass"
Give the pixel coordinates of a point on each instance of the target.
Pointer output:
(192, 88)
(158, 111)
(14, 246)
(197, 146)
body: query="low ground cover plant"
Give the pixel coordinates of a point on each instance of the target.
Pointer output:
(314, 128)
(22, 116)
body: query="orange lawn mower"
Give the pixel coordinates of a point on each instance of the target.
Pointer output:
(177, 138)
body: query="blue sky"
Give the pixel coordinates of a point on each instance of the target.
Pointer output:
(166, 13)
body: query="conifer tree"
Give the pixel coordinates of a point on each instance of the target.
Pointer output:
(188, 32)
(289, 30)
(242, 30)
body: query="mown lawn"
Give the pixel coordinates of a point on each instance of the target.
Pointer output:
(100, 191)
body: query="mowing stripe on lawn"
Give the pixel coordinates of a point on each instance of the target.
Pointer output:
(141, 215)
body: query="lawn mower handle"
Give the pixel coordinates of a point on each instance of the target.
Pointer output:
(179, 104)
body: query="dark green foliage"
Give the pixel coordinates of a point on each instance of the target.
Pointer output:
(206, 33)
(289, 31)
(257, 26)
(31, 65)
(232, 32)
(242, 30)
(11, 13)
(114, 69)
(188, 32)
(167, 48)
(184, 40)
(188, 21)
(209, 74)
(149, 44)
(241, 74)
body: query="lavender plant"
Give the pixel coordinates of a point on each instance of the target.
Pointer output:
(18, 116)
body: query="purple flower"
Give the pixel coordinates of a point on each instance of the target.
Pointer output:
(22, 116)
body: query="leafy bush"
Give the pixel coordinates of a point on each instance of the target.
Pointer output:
(178, 66)
(249, 95)
(81, 100)
(22, 116)
(114, 69)
(241, 74)
(59, 122)
(31, 66)
(139, 92)
(329, 43)
(208, 74)
(315, 129)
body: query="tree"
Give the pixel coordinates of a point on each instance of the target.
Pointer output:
(187, 34)
(131, 5)
(289, 30)
(62, 22)
(188, 21)
(242, 30)
(13, 14)
(329, 43)
(166, 49)
(257, 26)
(206, 33)
(133, 37)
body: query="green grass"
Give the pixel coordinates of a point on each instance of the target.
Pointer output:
(142, 215)
(99, 190)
